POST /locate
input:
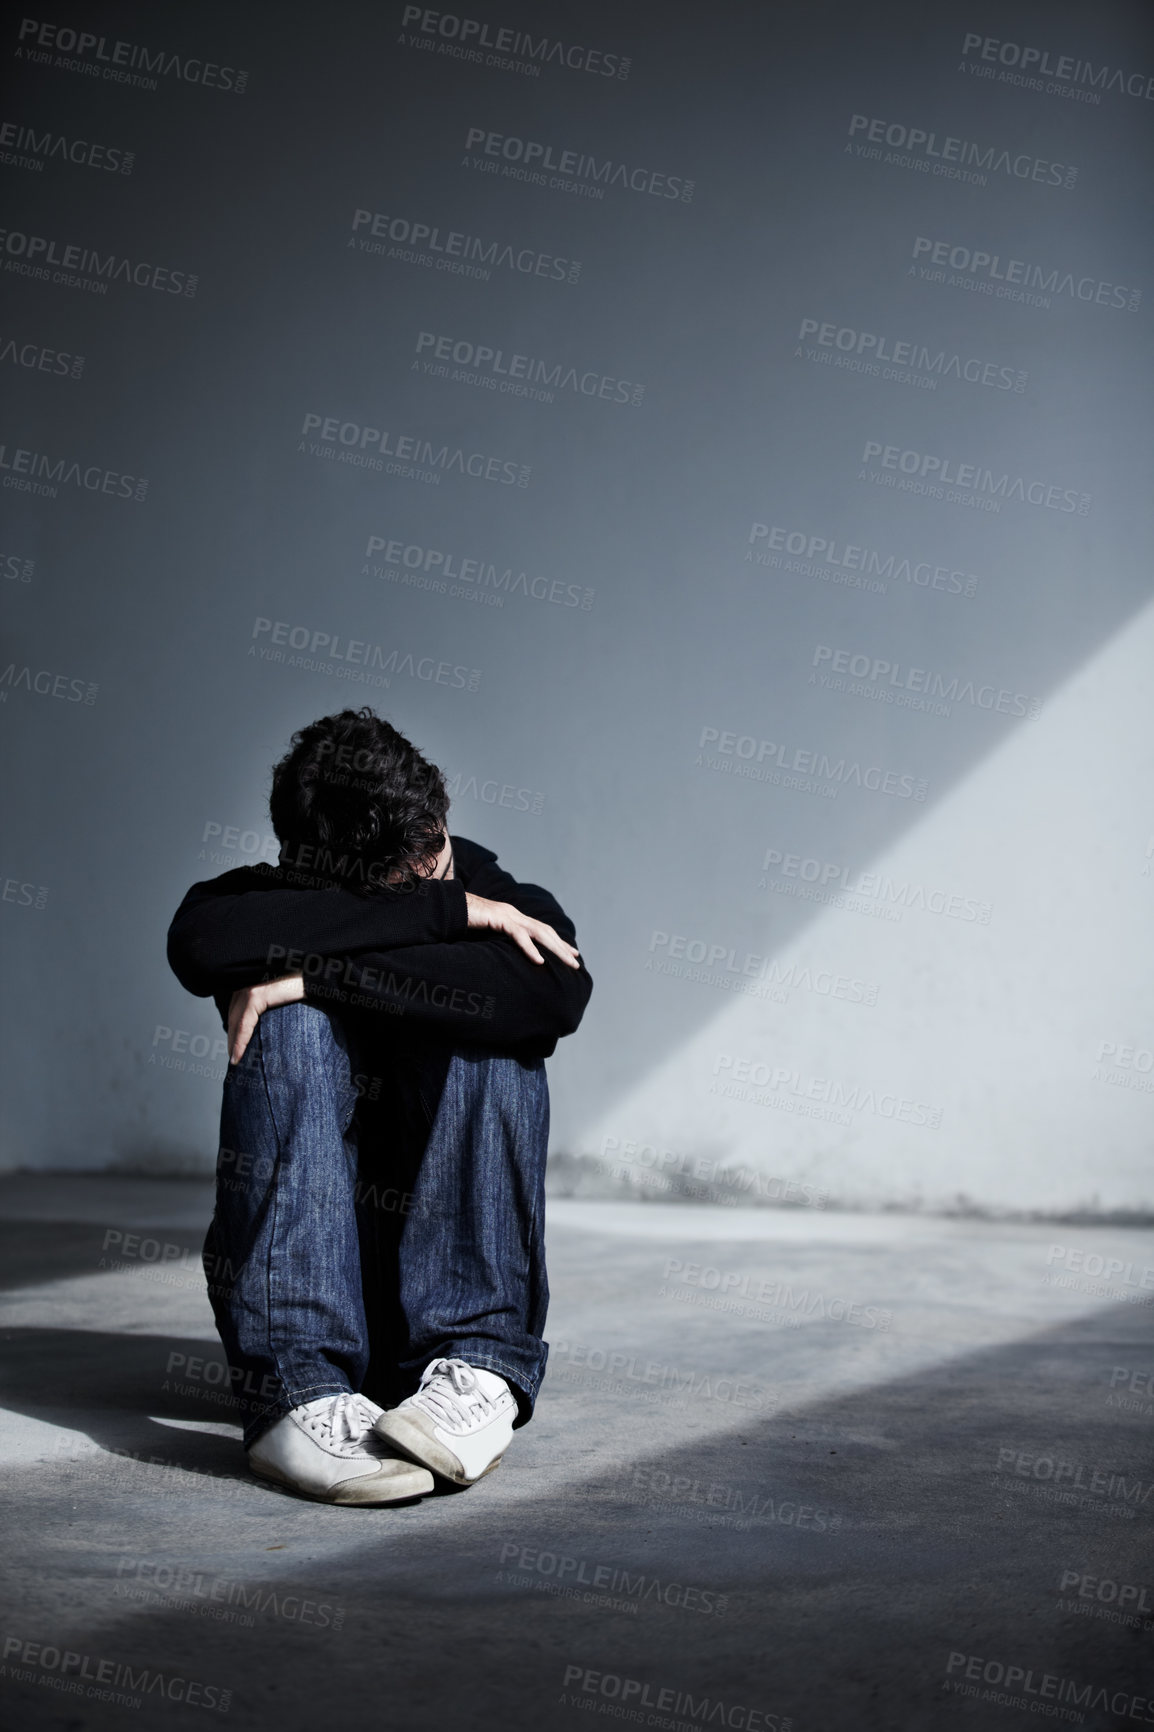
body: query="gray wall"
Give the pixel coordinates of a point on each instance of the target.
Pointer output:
(823, 699)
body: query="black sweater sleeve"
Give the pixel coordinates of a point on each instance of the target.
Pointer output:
(238, 929)
(480, 991)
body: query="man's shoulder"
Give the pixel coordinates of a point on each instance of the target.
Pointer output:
(262, 876)
(469, 854)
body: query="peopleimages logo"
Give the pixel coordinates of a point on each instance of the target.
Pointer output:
(354, 654)
(492, 793)
(1132, 1599)
(434, 568)
(35, 472)
(890, 679)
(454, 251)
(102, 57)
(953, 158)
(859, 567)
(678, 948)
(17, 568)
(891, 897)
(1063, 68)
(46, 684)
(924, 472)
(83, 267)
(554, 1572)
(22, 893)
(876, 350)
(529, 159)
(507, 49)
(990, 268)
(367, 447)
(584, 1686)
(1025, 1688)
(79, 1674)
(792, 1084)
(480, 363)
(1124, 1065)
(39, 359)
(24, 147)
(804, 767)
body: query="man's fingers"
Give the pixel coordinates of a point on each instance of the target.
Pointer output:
(522, 929)
(520, 935)
(552, 940)
(243, 1033)
(546, 937)
(243, 1012)
(248, 1004)
(235, 1008)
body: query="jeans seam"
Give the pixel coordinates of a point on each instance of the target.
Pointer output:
(274, 1355)
(276, 1176)
(310, 1391)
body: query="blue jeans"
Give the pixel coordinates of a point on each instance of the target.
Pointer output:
(379, 1204)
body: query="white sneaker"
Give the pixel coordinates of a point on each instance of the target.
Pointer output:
(328, 1450)
(459, 1422)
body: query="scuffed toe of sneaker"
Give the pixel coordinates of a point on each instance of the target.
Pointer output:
(459, 1423)
(415, 1433)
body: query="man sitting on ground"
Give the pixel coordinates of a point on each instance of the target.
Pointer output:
(390, 995)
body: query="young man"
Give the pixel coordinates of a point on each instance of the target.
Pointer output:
(376, 1260)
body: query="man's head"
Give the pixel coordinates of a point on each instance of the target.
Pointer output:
(353, 802)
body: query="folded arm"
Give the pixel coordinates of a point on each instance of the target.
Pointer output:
(479, 992)
(226, 929)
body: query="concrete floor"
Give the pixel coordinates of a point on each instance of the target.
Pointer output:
(925, 1465)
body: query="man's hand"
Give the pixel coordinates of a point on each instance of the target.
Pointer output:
(250, 1002)
(521, 928)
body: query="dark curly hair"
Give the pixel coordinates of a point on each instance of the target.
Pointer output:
(354, 803)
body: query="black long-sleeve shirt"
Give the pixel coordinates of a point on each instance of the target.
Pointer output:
(404, 954)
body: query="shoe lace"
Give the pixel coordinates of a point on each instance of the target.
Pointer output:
(347, 1417)
(450, 1392)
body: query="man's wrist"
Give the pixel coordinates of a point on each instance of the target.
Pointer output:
(456, 909)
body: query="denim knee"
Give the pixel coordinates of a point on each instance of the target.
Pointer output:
(297, 1048)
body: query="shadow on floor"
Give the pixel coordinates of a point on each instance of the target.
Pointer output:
(33, 1252)
(845, 1549)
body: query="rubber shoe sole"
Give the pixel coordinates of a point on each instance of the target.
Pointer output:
(407, 1434)
(365, 1490)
